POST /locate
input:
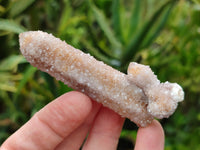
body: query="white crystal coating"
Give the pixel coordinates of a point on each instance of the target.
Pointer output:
(177, 93)
(138, 96)
(84, 73)
(162, 98)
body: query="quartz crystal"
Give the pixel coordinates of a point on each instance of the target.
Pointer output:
(138, 95)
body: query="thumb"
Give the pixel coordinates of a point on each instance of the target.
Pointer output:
(151, 137)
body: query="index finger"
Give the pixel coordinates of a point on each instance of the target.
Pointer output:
(52, 124)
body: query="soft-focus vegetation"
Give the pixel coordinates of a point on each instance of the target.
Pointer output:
(163, 34)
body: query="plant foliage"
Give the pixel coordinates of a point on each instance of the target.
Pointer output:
(163, 34)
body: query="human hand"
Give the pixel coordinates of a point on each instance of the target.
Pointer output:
(65, 122)
(150, 138)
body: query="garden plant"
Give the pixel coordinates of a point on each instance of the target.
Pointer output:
(163, 34)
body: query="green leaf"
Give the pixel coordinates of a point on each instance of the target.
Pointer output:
(41, 89)
(9, 78)
(50, 82)
(63, 89)
(65, 23)
(7, 101)
(130, 134)
(4, 135)
(10, 25)
(196, 1)
(11, 63)
(30, 71)
(2, 9)
(116, 18)
(134, 20)
(6, 87)
(105, 27)
(101, 46)
(136, 42)
(65, 16)
(93, 51)
(158, 28)
(19, 6)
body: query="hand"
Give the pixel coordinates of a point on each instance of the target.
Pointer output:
(65, 122)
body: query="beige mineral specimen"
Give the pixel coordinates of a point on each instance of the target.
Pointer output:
(138, 96)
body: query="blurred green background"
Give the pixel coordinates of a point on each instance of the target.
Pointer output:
(163, 34)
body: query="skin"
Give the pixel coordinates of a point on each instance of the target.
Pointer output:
(66, 121)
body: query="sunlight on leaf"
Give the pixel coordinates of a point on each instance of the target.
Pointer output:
(11, 62)
(6, 87)
(10, 25)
